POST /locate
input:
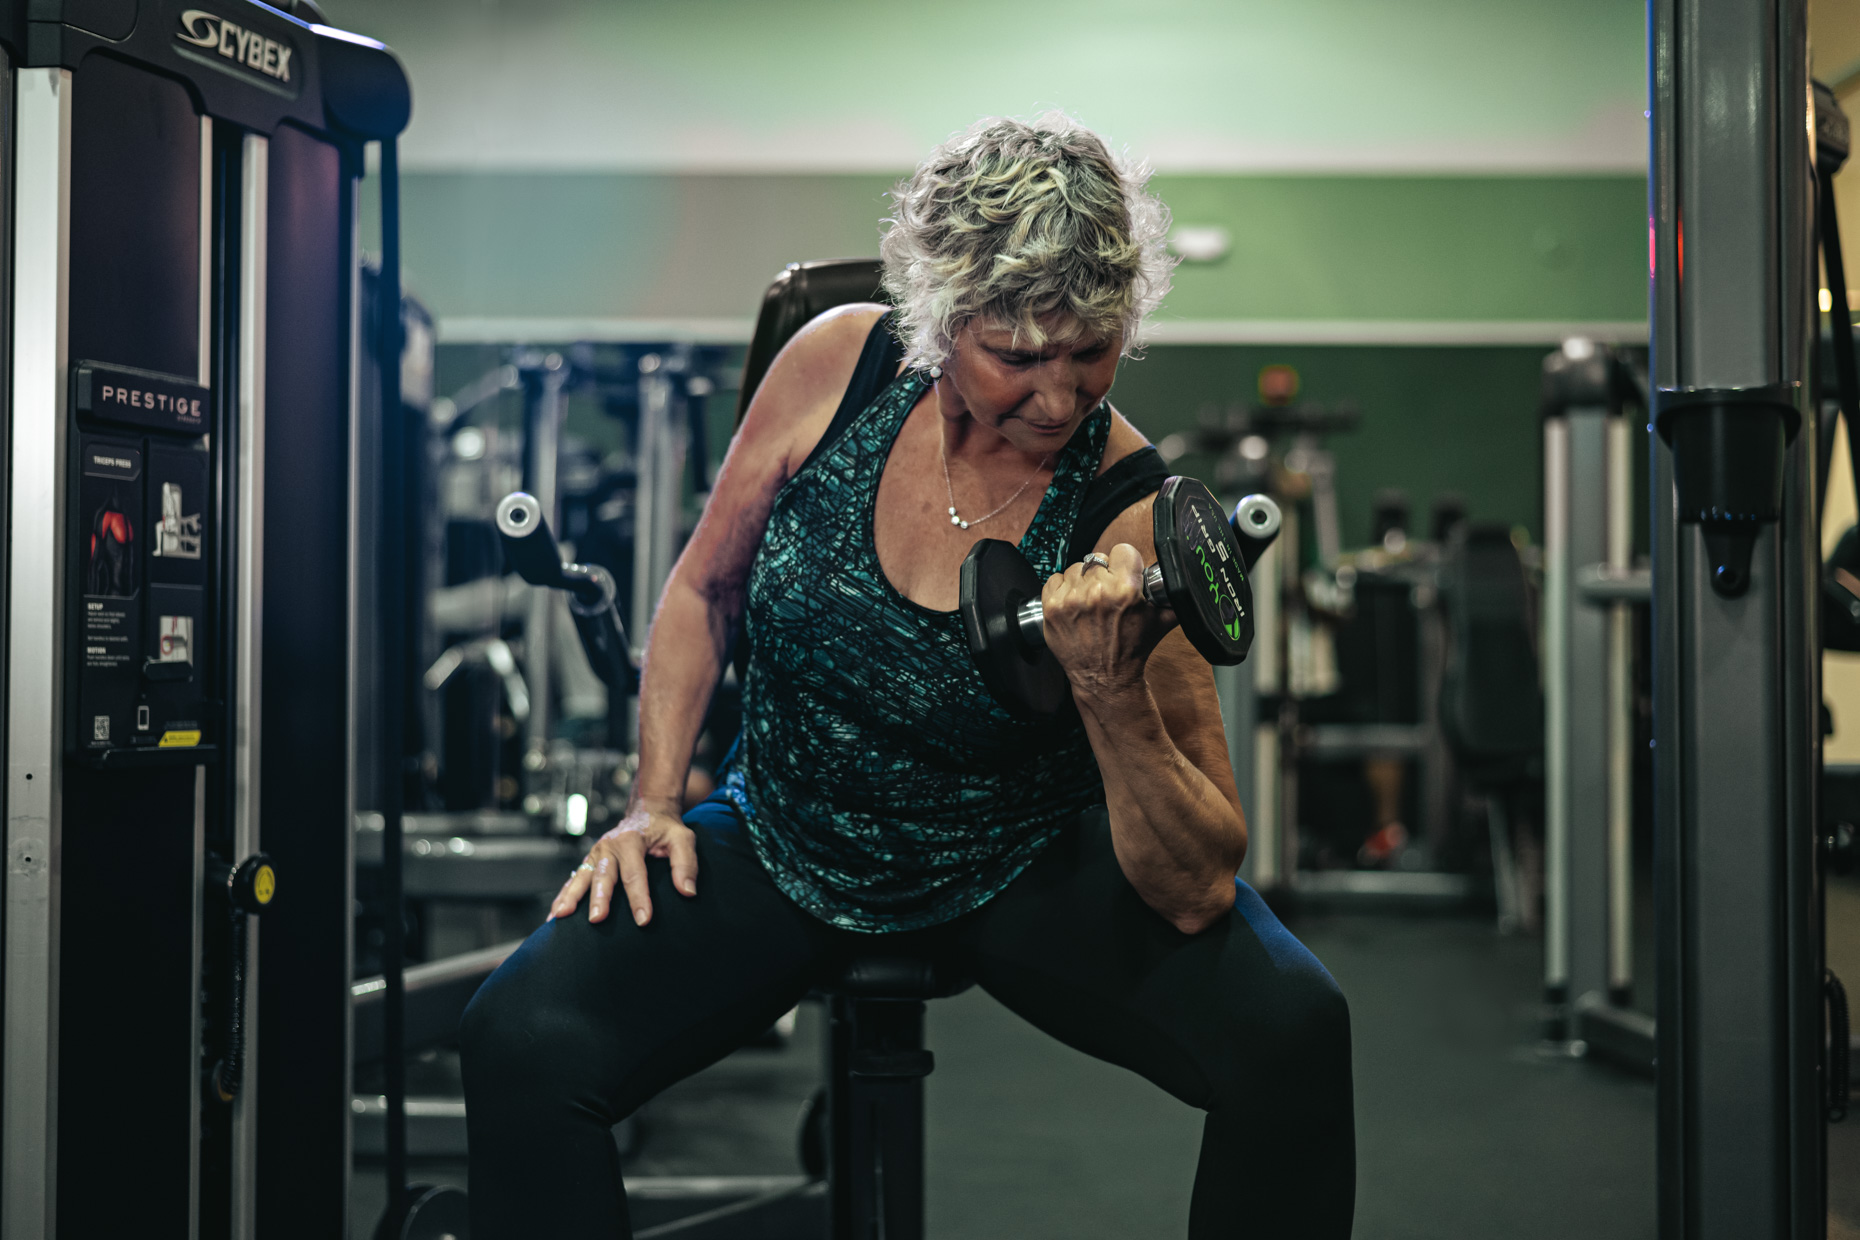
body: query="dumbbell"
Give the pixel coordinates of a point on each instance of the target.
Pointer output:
(1200, 574)
(531, 550)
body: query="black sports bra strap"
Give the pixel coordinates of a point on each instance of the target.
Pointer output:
(1117, 488)
(876, 368)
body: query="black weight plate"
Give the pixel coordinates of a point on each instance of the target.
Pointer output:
(996, 580)
(1204, 574)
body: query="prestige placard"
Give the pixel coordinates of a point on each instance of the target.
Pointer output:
(140, 397)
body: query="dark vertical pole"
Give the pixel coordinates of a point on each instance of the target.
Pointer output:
(1736, 674)
(393, 670)
(1841, 319)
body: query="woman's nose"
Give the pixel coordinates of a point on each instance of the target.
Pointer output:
(1057, 388)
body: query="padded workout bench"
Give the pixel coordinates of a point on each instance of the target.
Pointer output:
(867, 1125)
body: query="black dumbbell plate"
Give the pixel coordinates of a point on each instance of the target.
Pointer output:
(1203, 571)
(996, 580)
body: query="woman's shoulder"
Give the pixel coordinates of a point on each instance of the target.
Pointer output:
(827, 347)
(804, 384)
(1122, 440)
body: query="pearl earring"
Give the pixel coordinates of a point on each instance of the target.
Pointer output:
(936, 372)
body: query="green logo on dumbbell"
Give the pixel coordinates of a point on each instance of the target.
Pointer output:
(1214, 587)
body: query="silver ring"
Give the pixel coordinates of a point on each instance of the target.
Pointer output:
(584, 866)
(1096, 557)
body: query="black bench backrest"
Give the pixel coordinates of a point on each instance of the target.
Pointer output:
(798, 294)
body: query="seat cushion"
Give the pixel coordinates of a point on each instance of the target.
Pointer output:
(882, 976)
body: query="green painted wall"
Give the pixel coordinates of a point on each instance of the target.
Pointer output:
(1415, 248)
(1433, 419)
(643, 246)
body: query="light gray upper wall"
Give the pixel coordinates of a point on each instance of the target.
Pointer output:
(870, 85)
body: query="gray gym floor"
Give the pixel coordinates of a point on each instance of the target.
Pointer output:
(1464, 1129)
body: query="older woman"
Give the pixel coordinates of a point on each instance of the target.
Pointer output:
(1082, 869)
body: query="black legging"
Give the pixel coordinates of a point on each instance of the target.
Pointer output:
(585, 1022)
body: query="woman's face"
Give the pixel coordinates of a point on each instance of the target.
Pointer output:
(1034, 397)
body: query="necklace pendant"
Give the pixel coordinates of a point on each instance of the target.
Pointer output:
(953, 518)
(952, 512)
(963, 524)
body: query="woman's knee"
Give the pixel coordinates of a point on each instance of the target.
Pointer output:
(1315, 1013)
(519, 1031)
(1291, 1031)
(491, 1033)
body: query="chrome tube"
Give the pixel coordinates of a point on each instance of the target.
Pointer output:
(248, 637)
(35, 605)
(1620, 718)
(1555, 644)
(649, 504)
(543, 429)
(204, 328)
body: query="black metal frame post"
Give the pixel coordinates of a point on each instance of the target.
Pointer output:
(396, 523)
(1737, 672)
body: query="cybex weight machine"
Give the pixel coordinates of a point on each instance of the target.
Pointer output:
(181, 334)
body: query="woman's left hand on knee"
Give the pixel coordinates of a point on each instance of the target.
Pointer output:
(617, 865)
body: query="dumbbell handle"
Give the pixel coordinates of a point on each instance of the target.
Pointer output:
(1032, 614)
(1256, 522)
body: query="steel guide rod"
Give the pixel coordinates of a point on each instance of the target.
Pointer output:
(1555, 643)
(1741, 1149)
(544, 407)
(249, 588)
(204, 374)
(35, 706)
(1588, 529)
(396, 585)
(1620, 777)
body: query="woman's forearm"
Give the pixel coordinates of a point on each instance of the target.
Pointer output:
(684, 657)
(1178, 839)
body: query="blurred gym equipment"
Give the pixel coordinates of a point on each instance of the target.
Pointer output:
(1490, 710)
(1591, 591)
(520, 693)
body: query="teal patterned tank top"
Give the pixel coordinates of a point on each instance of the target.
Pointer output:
(882, 785)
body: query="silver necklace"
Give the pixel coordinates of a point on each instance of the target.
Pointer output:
(943, 450)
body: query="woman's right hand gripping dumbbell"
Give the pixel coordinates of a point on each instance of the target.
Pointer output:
(617, 863)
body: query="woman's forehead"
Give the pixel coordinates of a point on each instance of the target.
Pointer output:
(1047, 329)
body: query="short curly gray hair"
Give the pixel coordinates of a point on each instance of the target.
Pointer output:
(1017, 221)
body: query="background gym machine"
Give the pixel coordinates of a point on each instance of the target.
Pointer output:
(1592, 596)
(1341, 730)
(181, 335)
(518, 745)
